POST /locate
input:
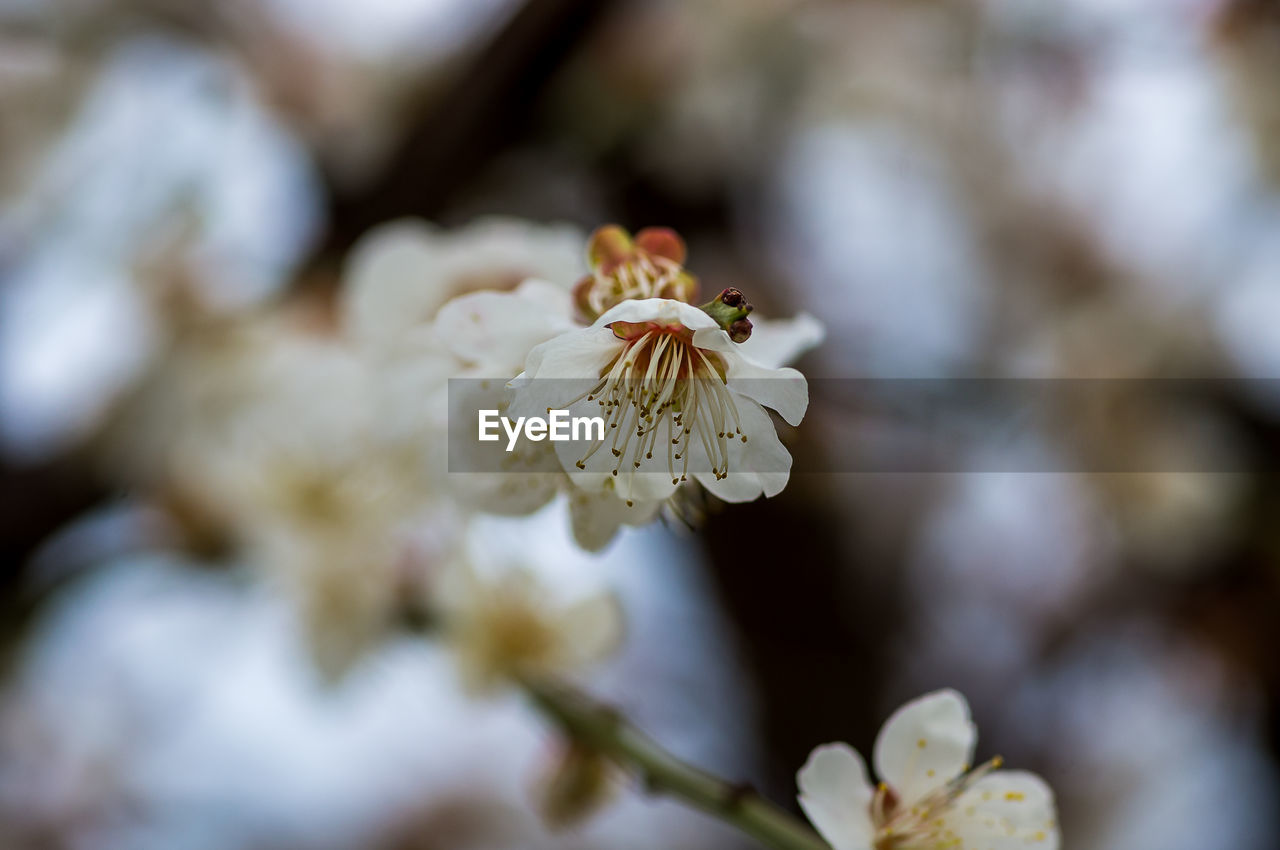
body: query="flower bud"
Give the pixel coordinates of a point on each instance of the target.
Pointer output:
(730, 310)
(662, 242)
(608, 247)
(623, 268)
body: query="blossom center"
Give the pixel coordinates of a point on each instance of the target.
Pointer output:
(926, 823)
(641, 276)
(660, 395)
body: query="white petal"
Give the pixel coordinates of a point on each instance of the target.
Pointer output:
(400, 273)
(715, 338)
(561, 369)
(639, 486)
(762, 465)
(507, 494)
(484, 474)
(660, 310)
(389, 280)
(783, 390)
(576, 354)
(836, 796)
(553, 297)
(596, 516)
(651, 482)
(925, 744)
(777, 342)
(497, 330)
(1007, 810)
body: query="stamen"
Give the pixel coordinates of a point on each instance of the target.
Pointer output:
(658, 377)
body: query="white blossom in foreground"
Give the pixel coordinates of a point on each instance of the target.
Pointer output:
(507, 624)
(929, 796)
(679, 399)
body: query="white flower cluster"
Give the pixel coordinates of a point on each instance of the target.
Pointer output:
(316, 439)
(315, 442)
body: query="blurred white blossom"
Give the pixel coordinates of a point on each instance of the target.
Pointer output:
(507, 625)
(220, 207)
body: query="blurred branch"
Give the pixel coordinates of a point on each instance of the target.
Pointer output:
(607, 731)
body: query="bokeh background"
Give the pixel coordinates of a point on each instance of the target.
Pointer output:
(957, 188)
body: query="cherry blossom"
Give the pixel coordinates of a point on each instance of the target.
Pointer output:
(929, 796)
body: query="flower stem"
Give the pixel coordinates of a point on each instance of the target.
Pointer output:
(610, 733)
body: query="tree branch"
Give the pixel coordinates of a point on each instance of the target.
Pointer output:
(611, 734)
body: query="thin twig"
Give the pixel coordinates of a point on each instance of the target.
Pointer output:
(611, 734)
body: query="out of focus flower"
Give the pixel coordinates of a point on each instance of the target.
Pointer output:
(268, 439)
(401, 273)
(324, 500)
(221, 207)
(424, 305)
(928, 797)
(678, 397)
(160, 704)
(509, 625)
(622, 268)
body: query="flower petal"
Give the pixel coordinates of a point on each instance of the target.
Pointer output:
(777, 342)
(388, 281)
(499, 329)
(762, 465)
(595, 516)
(784, 390)
(561, 369)
(925, 744)
(576, 354)
(835, 794)
(660, 310)
(1005, 810)
(662, 242)
(651, 482)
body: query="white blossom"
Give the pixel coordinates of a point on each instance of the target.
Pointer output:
(426, 305)
(401, 273)
(270, 441)
(679, 398)
(506, 623)
(928, 798)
